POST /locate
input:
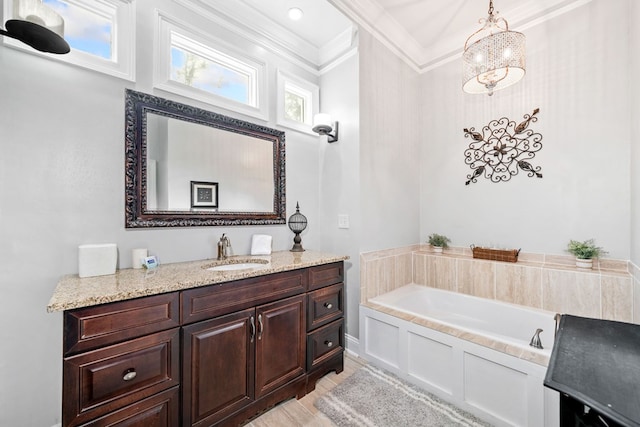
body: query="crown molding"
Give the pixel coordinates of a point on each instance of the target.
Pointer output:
(260, 30)
(369, 15)
(373, 18)
(337, 46)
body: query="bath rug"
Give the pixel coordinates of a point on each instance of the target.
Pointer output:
(372, 397)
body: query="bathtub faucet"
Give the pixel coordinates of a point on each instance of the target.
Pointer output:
(557, 319)
(535, 340)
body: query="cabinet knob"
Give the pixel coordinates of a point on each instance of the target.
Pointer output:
(328, 343)
(328, 305)
(129, 374)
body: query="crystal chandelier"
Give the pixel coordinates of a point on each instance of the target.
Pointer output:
(493, 57)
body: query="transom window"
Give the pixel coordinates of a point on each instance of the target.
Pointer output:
(99, 32)
(297, 102)
(204, 68)
(197, 65)
(88, 30)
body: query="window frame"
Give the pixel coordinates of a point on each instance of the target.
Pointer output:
(301, 87)
(169, 30)
(122, 15)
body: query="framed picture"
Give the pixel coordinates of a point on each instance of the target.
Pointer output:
(204, 194)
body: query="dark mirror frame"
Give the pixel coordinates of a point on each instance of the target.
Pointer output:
(137, 105)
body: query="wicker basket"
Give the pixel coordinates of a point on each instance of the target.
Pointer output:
(507, 255)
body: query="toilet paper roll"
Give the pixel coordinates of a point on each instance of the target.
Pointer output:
(138, 256)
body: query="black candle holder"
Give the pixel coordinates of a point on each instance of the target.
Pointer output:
(297, 224)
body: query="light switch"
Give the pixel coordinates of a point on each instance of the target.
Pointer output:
(343, 221)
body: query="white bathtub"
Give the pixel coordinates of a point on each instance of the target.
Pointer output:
(471, 351)
(507, 323)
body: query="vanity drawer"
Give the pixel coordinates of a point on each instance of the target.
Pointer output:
(92, 327)
(99, 381)
(324, 343)
(216, 300)
(325, 275)
(160, 410)
(324, 306)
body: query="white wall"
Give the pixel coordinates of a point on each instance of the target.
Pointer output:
(577, 75)
(634, 94)
(340, 179)
(391, 134)
(62, 185)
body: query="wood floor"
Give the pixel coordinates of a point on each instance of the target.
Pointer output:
(302, 413)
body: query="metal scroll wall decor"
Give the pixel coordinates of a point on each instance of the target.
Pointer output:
(502, 149)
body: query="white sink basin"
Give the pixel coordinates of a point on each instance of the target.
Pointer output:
(238, 266)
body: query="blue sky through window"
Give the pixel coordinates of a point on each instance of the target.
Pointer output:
(200, 73)
(85, 30)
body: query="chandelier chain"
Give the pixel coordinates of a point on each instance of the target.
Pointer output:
(490, 7)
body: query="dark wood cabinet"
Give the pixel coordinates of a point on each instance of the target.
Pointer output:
(160, 410)
(325, 305)
(218, 367)
(212, 355)
(99, 381)
(280, 343)
(325, 323)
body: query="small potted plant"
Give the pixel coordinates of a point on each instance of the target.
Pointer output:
(438, 241)
(585, 252)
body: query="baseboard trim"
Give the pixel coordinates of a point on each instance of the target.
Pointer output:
(353, 345)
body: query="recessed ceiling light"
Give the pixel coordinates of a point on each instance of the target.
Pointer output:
(295, 13)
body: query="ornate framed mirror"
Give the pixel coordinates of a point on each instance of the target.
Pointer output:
(185, 166)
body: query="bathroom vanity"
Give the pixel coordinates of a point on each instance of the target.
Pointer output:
(187, 346)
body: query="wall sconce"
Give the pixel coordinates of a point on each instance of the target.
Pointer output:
(323, 125)
(38, 26)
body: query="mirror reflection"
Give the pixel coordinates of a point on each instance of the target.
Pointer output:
(187, 167)
(235, 171)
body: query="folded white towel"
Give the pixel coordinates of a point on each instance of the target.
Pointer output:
(97, 260)
(261, 244)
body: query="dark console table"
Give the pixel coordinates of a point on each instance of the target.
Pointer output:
(595, 365)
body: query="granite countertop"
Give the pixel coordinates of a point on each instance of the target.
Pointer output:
(75, 292)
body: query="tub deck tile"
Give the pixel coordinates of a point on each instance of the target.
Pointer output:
(506, 348)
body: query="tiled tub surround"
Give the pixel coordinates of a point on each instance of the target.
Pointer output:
(635, 273)
(486, 375)
(549, 282)
(75, 292)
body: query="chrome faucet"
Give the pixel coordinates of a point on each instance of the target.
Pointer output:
(535, 340)
(224, 247)
(557, 319)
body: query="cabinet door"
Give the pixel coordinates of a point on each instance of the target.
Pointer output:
(280, 343)
(218, 367)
